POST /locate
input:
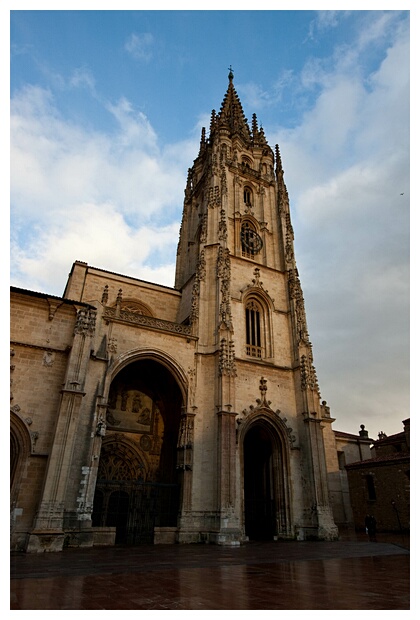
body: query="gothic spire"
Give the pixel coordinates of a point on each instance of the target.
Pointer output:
(231, 115)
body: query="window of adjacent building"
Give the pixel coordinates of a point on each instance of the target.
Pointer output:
(370, 486)
(253, 329)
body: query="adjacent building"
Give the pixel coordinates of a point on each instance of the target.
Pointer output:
(380, 485)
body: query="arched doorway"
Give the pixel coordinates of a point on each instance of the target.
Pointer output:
(118, 513)
(20, 450)
(138, 487)
(260, 484)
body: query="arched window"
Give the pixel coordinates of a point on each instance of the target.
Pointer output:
(253, 319)
(248, 196)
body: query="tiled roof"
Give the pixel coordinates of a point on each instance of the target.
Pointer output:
(381, 460)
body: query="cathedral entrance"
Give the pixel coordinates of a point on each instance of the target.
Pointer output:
(259, 484)
(137, 487)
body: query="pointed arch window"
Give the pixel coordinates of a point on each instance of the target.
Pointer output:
(253, 318)
(248, 196)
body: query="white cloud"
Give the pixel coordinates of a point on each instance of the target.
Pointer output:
(98, 235)
(346, 166)
(82, 78)
(114, 201)
(140, 46)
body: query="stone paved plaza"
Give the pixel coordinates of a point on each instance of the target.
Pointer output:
(347, 574)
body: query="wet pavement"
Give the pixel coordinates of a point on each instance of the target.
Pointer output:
(351, 573)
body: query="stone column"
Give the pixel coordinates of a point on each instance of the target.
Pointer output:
(320, 520)
(229, 532)
(48, 533)
(185, 458)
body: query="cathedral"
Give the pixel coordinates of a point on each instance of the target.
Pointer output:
(142, 413)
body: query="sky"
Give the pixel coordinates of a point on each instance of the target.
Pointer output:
(106, 111)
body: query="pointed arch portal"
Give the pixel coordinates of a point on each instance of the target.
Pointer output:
(138, 485)
(266, 502)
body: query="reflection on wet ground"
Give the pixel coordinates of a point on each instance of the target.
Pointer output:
(351, 573)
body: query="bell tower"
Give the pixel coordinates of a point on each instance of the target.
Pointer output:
(241, 294)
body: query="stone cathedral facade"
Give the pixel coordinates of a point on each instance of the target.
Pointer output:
(142, 413)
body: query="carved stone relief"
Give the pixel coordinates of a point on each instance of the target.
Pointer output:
(227, 364)
(223, 273)
(85, 321)
(48, 358)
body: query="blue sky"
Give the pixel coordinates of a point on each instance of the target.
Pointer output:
(106, 114)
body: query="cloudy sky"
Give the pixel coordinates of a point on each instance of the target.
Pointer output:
(106, 113)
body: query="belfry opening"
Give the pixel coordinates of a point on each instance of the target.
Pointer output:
(138, 485)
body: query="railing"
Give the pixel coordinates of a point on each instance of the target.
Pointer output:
(111, 314)
(254, 351)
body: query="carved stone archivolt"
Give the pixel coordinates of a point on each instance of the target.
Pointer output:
(257, 285)
(121, 461)
(263, 409)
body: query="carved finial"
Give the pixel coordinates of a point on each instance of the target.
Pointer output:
(362, 431)
(104, 299)
(254, 126)
(278, 159)
(118, 304)
(213, 121)
(326, 409)
(230, 76)
(262, 138)
(203, 140)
